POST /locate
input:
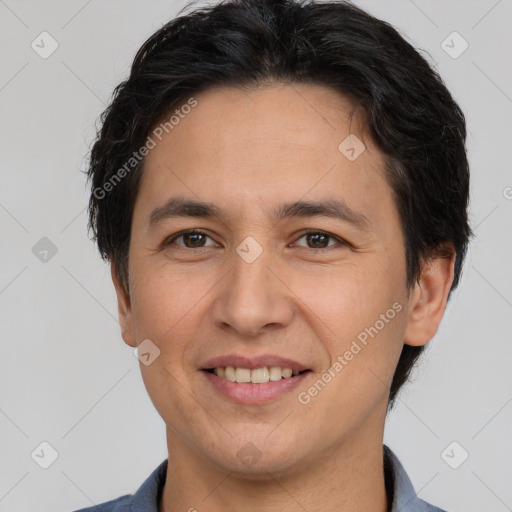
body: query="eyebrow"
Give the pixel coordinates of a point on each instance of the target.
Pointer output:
(332, 208)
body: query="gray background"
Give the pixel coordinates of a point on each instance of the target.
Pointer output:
(67, 378)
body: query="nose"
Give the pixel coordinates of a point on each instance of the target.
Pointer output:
(253, 298)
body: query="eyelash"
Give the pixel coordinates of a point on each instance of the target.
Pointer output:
(172, 239)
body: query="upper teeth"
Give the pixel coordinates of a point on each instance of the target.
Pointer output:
(256, 376)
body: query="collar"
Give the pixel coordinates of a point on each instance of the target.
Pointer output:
(404, 498)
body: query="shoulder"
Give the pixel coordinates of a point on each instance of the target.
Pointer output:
(121, 504)
(427, 507)
(405, 498)
(144, 500)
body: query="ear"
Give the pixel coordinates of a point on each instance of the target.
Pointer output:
(124, 309)
(428, 299)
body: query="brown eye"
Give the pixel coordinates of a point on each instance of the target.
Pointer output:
(319, 240)
(191, 239)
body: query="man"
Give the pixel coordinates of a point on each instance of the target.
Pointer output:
(281, 189)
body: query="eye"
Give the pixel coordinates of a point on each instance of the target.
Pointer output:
(192, 239)
(320, 239)
(196, 239)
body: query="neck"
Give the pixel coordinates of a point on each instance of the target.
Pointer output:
(348, 477)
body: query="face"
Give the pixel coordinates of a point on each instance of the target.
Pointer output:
(295, 260)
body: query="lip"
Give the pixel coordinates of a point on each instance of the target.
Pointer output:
(249, 393)
(253, 362)
(254, 394)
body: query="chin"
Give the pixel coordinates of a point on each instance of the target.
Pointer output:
(253, 457)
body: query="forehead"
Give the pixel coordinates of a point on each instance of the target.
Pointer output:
(298, 120)
(270, 144)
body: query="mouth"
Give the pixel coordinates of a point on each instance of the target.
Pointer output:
(261, 375)
(253, 380)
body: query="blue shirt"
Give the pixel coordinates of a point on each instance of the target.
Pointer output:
(147, 497)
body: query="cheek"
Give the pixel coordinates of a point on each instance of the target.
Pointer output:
(364, 308)
(165, 305)
(162, 292)
(353, 295)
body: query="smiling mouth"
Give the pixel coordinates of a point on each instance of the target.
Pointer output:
(256, 375)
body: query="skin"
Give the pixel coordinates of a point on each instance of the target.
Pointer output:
(248, 152)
